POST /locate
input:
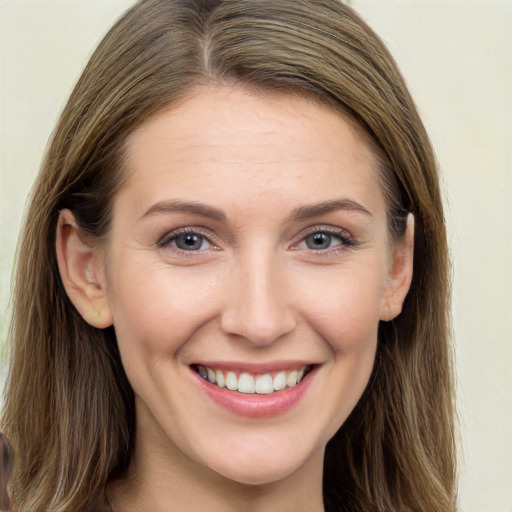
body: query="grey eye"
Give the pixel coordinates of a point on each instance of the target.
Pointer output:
(189, 242)
(318, 241)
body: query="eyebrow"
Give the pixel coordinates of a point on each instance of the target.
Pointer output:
(315, 210)
(298, 214)
(179, 206)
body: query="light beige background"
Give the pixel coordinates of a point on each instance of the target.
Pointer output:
(457, 58)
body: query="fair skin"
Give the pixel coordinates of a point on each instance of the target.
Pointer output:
(249, 237)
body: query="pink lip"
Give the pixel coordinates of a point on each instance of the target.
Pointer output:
(254, 405)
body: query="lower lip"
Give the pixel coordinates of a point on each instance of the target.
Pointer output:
(255, 405)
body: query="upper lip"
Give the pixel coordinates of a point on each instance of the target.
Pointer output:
(248, 367)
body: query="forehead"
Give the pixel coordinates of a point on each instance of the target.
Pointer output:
(222, 144)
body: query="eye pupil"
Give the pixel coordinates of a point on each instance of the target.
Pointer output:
(189, 242)
(318, 241)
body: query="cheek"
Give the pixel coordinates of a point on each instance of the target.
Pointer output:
(159, 307)
(343, 306)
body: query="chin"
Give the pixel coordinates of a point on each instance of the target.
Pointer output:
(258, 474)
(264, 466)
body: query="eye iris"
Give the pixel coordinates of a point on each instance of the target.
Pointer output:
(318, 241)
(189, 242)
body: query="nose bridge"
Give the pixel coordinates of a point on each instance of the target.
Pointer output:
(258, 306)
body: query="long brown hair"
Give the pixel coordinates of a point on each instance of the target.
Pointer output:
(69, 409)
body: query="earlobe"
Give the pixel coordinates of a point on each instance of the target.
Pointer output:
(400, 274)
(82, 273)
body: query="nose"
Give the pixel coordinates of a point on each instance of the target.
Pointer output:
(258, 304)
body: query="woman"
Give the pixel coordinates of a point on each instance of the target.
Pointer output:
(232, 284)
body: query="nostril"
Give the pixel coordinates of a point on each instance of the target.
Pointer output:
(259, 328)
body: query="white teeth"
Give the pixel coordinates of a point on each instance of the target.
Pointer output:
(280, 381)
(221, 382)
(292, 379)
(211, 375)
(231, 381)
(264, 384)
(248, 383)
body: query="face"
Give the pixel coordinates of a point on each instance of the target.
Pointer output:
(248, 267)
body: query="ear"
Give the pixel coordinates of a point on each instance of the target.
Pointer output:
(82, 271)
(400, 274)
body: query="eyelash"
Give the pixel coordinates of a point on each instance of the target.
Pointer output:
(346, 242)
(166, 241)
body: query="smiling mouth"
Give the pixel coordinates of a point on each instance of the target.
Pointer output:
(253, 383)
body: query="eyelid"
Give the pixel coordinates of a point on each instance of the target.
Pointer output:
(164, 242)
(342, 234)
